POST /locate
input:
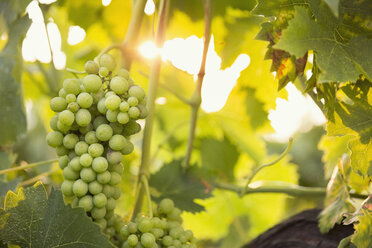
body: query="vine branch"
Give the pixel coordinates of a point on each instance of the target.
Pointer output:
(196, 97)
(22, 167)
(148, 195)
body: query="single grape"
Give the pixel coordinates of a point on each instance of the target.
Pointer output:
(117, 128)
(54, 139)
(123, 73)
(112, 102)
(81, 147)
(147, 240)
(174, 214)
(136, 91)
(70, 98)
(62, 127)
(66, 188)
(62, 93)
(108, 190)
(109, 93)
(70, 140)
(66, 117)
(90, 137)
(119, 85)
(111, 204)
(166, 206)
(99, 120)
(167, 240)
(131, 127)
(73, 107)
(98, 213)
(111, 115)
(101, 106)
(132, 240)
(118, 168)
(95, 150)
(86, 202)
(80, 188)
(143, 111)
(123, 118)
(86, 160)
(117, 142)
(83, 117)
(132, 101)
(100, 165)
(104, 132)
(124, 106)
(85, 100)
(91, 67)
(58, 104)
(127, 148)
(87, 175)
(115, 178)
(104, 177)
(100, 200)
(157, 232)
(71, 154)
(63, 161)
(53, 123)
(145, 225)
(133, 113)
(108, 61)
(75, 164)
(102, 223)
(103, 72)
(95, 188)
(114, 157)
(71, 86)
(92, 83)
(117, 193)
(86, 129)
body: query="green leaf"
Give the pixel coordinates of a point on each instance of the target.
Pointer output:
(277, 8)
(337, 61)
(183, 188)
(13, 121)
(39, 221)
(84, 12)
(361, 156)
(363, 230)
(219, 158)
(6, 186)
(6, 161)
(237, 235)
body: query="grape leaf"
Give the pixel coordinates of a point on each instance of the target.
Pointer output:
(219, 158)
(363, 230)
(237, 235)
(6, 186)
(13, 121)
(361, 156)
(171, 181)
(39, 221)
(337, 61)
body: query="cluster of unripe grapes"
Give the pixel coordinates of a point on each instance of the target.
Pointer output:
(163, 230)
(94, 118)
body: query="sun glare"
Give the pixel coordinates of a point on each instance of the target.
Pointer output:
(75, 35)
(106, 2)
(150, 7)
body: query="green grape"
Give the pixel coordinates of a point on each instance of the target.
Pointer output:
(166, 206)
(92, 83)
(147, 240)
(85, 100)
(123, 118)
(104, 132)
(71, 154)
(108, 190)
(112, 102)
(157, 232)
(143, 111)
(100, 200)
(95, 188)
(57, 104)
(86, 129)
(63, 161)
(73, 107)
(136, 91)
(119, 85)
(86, 202)
(117, 128)
(62, 127)
(123, 73)
(102, 223)
(108, 61)
(95, 150)
(81, 147)
(100, 165)
(132, 240)
(86, 160)
(174, 215)
(70, 98)
(80, 188)
(97, 96)
(132, 101)
(111, 115)
(133, 113)
(104, 177)
(115, 178)
(117, 193)
(53, 123)
(75, 164)
(130, 81)
(103, 72)
(83, 117)
(91, 67)
(98, 213)
(177, 243)
(145, 225)
(93, 111)
(62, 93)
(109, 214)
(70, 140)
(132, 227)
(54, 139)
(87, 175)
(71, 86)
(167, 240)
(75, 202)
(175, 232)
(109, 93)
(188, 235)
(124, 106)
(66, 188)
(118, 168)
(111, 204)
(101, 106)
(90, 137)
(99, 120)
(117, 142)
(131, 127)
(128, 148)
(114, 157)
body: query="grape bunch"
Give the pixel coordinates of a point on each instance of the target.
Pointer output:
(163, 230)
(95, 116)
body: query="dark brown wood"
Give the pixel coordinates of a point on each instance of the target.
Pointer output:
(301, 231)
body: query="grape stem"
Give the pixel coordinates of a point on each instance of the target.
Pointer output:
(108, 49)
(152, 91)
(75, 72)
(148, 195)
(255, 171)
(196, 97)
(22, 167)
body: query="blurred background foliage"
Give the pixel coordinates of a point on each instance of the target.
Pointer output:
(240, 126)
